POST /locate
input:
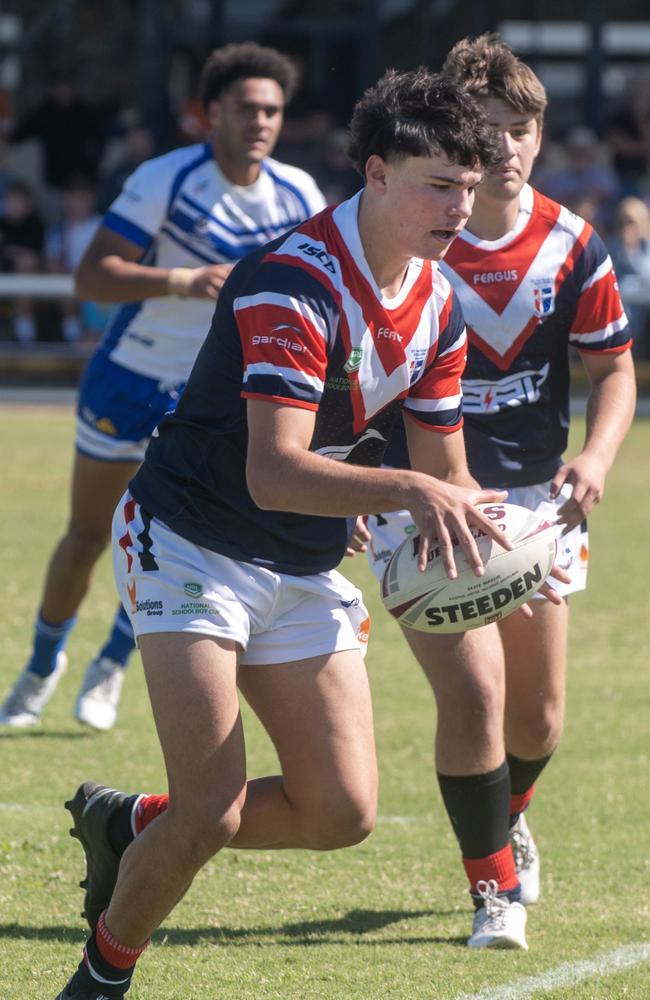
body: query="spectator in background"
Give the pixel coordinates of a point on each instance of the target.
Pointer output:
(6, 177)
(584, 178)
(629, 247)
(65, 245)
(71, 133)
(21, 247)
(628, 135)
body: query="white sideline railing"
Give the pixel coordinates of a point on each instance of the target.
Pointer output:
(36, 286)
(61, 286)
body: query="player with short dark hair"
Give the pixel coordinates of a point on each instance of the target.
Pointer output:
(241, 61)
(166, 245)
(226, 541)
(534, 281)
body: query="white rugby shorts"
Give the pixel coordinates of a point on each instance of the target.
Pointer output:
(168, 584)
(389, 530)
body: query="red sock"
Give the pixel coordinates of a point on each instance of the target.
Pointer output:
(519, 802)
(499, 866)
(117, 955)
(148, 808)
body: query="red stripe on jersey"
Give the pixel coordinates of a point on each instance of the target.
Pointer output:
(576, 251)
(504, 361)
(598, 306)
(443, 378)
(125, 541)
(300, 404)
(496, 276)
(438, 428)
(281, 336)
(604, 350)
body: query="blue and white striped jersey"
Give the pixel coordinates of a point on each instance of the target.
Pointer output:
(183, 212)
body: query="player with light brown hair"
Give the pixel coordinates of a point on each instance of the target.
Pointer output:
(533, 281)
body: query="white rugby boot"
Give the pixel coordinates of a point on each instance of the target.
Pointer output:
(498, 923)
(99, 694)
(526, 858)
(30, 694)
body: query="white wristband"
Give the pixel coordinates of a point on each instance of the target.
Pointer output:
(179, 280)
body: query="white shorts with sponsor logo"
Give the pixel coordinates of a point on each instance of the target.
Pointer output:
(389, 530)
(168, 584)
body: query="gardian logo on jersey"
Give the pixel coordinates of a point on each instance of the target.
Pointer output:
(543, 296)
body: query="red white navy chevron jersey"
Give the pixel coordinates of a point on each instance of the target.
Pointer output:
(545, 285)
(302, 322)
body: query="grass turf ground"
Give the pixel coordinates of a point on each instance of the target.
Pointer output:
(389, 918)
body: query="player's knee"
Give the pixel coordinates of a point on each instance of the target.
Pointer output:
(540, 730)
(202, 833)
(342, 823)
(86, 542)
(480, 701)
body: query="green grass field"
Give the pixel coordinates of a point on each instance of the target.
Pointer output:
(384, 921)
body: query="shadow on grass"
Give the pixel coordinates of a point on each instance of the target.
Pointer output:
(15, 733)
(354, 924)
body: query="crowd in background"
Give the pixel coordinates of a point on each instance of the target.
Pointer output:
(53, 196)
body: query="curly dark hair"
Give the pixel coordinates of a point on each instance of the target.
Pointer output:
(420, 113)
(242, 61)
(486, 66)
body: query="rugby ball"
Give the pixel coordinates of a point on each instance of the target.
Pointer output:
(428, 601)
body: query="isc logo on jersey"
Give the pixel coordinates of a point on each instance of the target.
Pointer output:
(311, 251)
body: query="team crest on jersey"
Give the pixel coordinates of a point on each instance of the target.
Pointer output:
(544, 296)
(416, 364)
(354, 360)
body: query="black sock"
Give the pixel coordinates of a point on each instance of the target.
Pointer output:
(523, 775)
(95, 971)
(478, 806)
(120, 833)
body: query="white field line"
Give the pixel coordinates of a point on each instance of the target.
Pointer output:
(566, 974)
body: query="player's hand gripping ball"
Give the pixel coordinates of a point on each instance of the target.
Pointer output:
(429, 601)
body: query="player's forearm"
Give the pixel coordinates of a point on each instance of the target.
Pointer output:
(113, 279)
(308, 483)
(610, 411)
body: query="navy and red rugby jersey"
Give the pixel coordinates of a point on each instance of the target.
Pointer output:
(545, 286)
(302, 322)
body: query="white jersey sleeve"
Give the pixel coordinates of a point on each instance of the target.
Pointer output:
(141, 208)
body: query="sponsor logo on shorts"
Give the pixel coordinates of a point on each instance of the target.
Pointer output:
(106, 426)
(354, 603)
(363, 633)
(149, 607)
(193, 589)
(130, 589)
(194, 609)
